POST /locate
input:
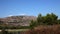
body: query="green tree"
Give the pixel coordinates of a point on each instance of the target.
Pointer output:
(58, 21)
(1, 22)
(33, 24)
(51, 19)
(39, 19)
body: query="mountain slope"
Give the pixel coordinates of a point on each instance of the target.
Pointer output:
(18, 20)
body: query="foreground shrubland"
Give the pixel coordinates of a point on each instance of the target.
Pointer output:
(44, 29)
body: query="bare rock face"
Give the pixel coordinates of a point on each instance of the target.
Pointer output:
(18, 20)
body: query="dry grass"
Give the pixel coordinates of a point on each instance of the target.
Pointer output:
(43, 29)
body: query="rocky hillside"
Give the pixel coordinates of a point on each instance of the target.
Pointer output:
(18, 20)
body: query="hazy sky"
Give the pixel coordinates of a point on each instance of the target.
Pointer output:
(29, 7)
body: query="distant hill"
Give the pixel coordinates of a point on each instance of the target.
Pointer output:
(18, 20)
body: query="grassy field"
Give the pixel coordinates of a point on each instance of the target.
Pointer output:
(14, 30)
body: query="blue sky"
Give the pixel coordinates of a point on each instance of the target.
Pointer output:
(29, 7)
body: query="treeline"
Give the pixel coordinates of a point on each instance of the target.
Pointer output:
(14, 27)
(48, 19)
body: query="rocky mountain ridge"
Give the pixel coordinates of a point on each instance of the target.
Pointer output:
(18, 20)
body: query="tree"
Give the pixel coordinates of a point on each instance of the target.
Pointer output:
(39, 19)
(58, 21)
(33, 24)
(51, 19)
(1, 22)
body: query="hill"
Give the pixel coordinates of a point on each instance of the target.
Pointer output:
(17, 20)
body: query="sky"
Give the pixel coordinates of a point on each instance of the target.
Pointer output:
(29, 7)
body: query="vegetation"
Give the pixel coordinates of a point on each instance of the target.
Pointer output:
(50, 24)
(49, 19)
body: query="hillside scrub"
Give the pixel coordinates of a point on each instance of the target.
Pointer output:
(49, 24)
(50, 29)
(49, 19)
